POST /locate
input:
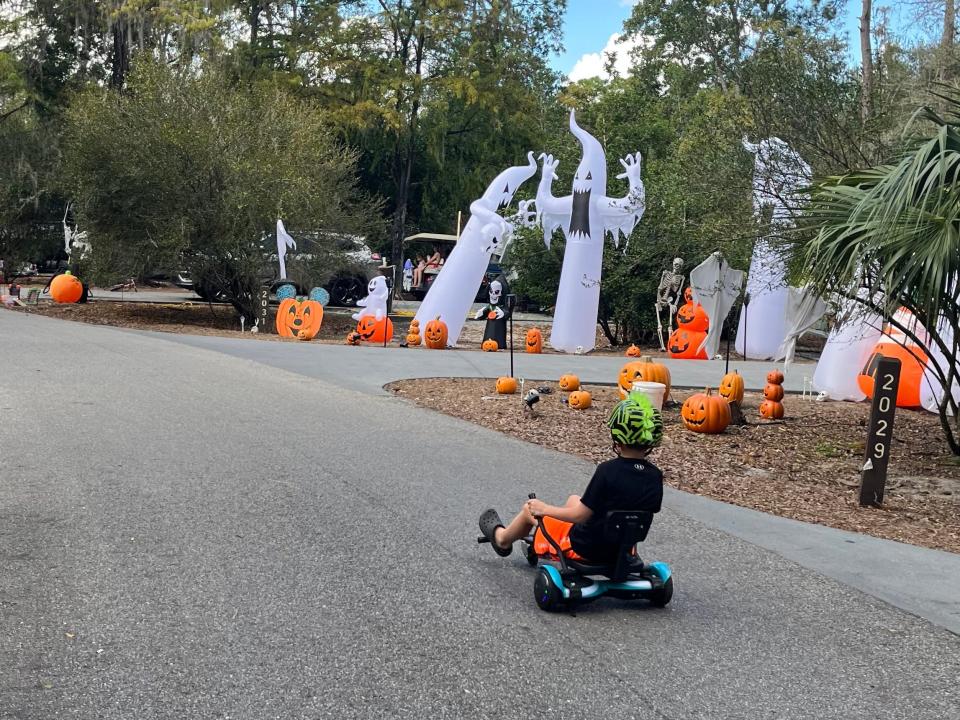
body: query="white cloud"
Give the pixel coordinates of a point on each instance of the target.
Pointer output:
(594, 64)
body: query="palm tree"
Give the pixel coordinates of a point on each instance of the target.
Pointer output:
(889, 237)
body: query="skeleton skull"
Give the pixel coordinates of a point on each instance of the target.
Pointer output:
(677, 265)
(496, 288)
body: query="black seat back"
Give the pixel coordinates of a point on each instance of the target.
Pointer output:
(625, 528)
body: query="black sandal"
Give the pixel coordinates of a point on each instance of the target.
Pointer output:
(489, 522)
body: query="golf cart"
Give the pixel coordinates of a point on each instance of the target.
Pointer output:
(423, 244)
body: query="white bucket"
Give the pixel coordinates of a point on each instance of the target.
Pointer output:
(655, 392)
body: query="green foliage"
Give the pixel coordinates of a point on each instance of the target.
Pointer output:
(889, 237)
(188, 168)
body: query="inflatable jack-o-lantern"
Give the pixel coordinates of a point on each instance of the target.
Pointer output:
(731, 387)
(66, 288)
(913, 362)
(643, 370)
(579, 399)
(299, 318)
(375, 331)
(489, 346)
(534, 343)
(705, 413)
(569, 383)
(435, 334)
(693, 317)
(684, 344)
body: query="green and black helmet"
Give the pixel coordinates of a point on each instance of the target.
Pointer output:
(636, 422)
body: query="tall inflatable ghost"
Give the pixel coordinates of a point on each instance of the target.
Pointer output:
(584, 217)
(452, 292)
(375, 303)
(848, 347)
(778, 174)
(284, 241)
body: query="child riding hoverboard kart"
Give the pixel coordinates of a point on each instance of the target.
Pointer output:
(565, 579)
(586, 548)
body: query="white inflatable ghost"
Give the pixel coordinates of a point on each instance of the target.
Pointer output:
(585, 216)
(455, 287)
(375, 303)
(778, 174)
(284, 242)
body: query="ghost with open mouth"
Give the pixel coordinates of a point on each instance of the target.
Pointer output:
(585, 216)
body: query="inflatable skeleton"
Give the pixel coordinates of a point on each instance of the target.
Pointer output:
(375, 303)
(668, 296)
(585, 216)
(455, 287)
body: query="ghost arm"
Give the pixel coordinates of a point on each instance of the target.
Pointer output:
(493, 228)
(553, 212)
(621, 215)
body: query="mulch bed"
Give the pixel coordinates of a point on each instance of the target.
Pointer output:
(805, 467)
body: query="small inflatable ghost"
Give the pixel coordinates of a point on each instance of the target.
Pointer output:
(375, 303)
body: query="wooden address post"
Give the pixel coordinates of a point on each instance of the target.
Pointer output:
(886, 380)
(263, 310)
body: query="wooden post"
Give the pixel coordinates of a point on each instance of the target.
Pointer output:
(263, 310)
(886, 380)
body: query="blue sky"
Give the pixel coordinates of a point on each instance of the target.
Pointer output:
(589, 24)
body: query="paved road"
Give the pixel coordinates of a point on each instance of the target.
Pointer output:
(189, 534)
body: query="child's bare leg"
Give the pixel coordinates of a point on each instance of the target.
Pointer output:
(518, 528)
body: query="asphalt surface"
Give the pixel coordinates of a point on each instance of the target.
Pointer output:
(188, 534)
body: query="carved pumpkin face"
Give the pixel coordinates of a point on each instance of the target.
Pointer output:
(66, 288)
(370, 330)
(435, 334)
(693, 317)
(645, 370)
(731, 387)
(773, 392)
(506, 385)
(534, 343)
(688, 295)
(705, 413)
(579, 399)
(413, 334)
(299, 316)
(352, 339)
(683, 344)
(489, 346)
(771, 410)
(568, 383)
(632, 351)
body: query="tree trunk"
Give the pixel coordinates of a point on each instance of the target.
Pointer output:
(866, 53)
(255, 9)
(120, 56)
(949, 20)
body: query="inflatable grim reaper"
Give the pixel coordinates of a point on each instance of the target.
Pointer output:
(455, 287)
(585, 217)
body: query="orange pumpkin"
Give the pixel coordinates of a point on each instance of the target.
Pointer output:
(693, 317)
(705, 413)
(775, 377)
(352, 339)
(413, 333)
(66, 288)
(371, 330)
(731, 387)
(771, 409)
(773, 392)
(579, 399)
(492, 315)
(569, 383)
(534, 343)
(913, 363)
(506, 385)
(645, 370)
(435, 334)
(632, 351)
(299, 316)
(683, 345)
(489, 345)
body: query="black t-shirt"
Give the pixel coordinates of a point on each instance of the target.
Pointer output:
(618, 484)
